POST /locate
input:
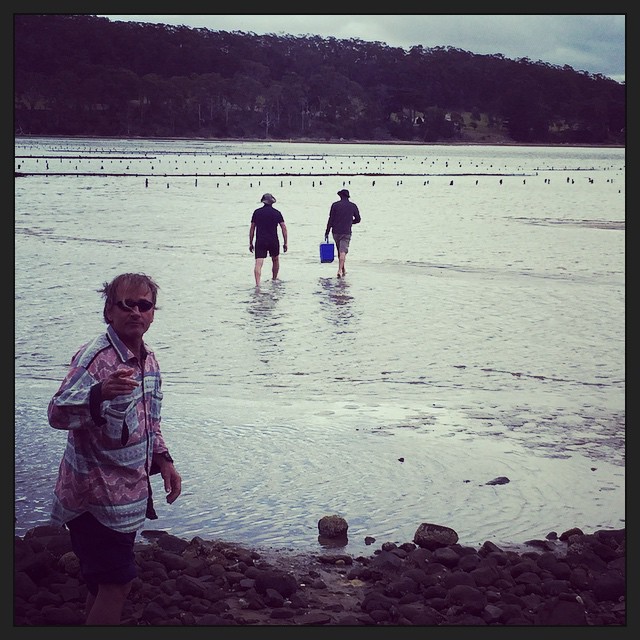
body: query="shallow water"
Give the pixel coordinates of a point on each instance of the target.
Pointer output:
(479, 332)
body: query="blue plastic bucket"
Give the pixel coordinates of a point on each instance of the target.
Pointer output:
(327, 251)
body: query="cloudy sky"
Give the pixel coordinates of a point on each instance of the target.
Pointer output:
(594, 43)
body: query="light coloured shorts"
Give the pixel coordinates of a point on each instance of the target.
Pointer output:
(342, 242)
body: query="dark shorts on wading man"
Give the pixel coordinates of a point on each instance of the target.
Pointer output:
(262, 248)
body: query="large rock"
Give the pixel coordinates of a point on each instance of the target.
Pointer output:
(433, 536)
(332, 527)
(283, 583)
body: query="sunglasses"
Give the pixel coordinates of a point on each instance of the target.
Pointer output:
(130, 305)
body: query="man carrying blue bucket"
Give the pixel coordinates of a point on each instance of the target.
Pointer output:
(342, 215)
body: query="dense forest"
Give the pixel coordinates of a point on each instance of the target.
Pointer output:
(80, 75)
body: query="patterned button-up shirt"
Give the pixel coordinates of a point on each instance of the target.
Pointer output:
(110, 444)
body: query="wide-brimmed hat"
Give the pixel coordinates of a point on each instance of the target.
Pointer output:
(267, 198)
(344, 192)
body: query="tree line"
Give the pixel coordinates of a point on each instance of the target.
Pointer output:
(81, 75)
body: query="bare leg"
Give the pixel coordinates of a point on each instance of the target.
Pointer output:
(275, 266)
(341, 258)
(257, 270)
(108, 604)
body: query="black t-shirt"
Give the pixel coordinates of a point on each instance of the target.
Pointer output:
(267, 219)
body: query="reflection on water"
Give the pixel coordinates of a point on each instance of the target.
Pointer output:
(264, 300)
(267, 325)
(337, 303)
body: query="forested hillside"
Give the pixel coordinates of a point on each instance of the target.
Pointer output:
(84, 75)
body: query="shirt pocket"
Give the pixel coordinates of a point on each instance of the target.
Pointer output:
(121, 420)
(156, 404)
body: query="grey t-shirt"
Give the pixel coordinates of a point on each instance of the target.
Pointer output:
(342, 215)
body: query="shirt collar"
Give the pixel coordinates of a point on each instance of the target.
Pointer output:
(124, 353)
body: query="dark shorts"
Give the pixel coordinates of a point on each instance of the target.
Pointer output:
(272, 248)
(106, 556)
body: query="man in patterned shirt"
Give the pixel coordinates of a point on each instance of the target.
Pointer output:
(109, 403)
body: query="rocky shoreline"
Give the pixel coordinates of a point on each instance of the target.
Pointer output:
(574, 579)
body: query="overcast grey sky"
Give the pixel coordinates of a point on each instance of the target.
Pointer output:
(592, 42)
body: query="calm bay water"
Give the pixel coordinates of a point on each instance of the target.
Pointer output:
(479, 332)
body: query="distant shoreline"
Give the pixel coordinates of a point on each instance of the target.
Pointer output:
(414, 143)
